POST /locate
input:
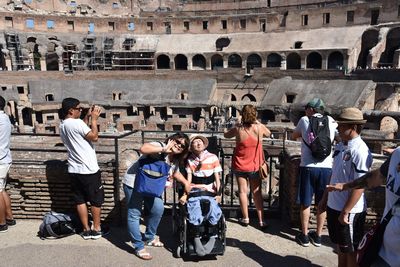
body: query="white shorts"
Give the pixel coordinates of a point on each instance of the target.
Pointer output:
(3, 175)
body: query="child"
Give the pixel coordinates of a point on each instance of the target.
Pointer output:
(203, 172)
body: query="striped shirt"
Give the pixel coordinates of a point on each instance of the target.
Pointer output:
(204, 165)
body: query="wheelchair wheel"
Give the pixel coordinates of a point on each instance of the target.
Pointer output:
(178, 252)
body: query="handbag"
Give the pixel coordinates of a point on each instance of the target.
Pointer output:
(371, 243)
(263, 170)
(151, 177)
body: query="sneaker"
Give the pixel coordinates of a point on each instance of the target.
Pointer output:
(303, 240)
(3, 228)
(105, 230)
(314, 238)
(86, 234)
(11, 222)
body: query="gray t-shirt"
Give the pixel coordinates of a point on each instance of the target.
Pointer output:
(130, 175)
(81, 154)
(5, 136)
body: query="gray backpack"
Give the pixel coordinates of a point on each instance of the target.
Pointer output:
(56, 225)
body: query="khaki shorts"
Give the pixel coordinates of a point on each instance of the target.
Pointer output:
(3, 175)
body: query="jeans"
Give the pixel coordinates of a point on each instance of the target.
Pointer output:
(153, 208)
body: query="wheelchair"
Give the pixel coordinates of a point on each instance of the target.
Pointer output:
(198, 240)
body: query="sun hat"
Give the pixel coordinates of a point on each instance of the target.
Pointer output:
(202, 138)
(316, 103)
(351, 116)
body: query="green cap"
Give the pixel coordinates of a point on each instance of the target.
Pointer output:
(316, 103)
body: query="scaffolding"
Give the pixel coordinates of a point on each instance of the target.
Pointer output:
(18, 60)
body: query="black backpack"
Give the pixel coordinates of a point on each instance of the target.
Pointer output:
(56, 225)
(321, 145)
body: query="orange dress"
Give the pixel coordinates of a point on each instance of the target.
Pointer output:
(247, 155)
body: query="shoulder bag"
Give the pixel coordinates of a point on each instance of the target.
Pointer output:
(371, 243)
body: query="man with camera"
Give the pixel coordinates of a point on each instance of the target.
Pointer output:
(83, 168)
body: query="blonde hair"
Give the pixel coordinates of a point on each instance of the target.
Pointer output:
(249, 114)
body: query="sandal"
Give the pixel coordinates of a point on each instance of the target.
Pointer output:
(155, 243)
(244, 222)
(143, 254)
(263, 225)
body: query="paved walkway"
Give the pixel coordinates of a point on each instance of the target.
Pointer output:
(246, 246)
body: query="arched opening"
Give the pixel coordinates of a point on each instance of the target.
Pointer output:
(274, 60)
(267, 115)
(233, 97)
(199, 62)
(314, 61)
(217, 62)
(392, 44)
(36, 58)
(249, 97)
(27, 116)
(163, 62)
(2, 59)
(253, 61)
(181, 62)
(335, 60)
(369, 40)
(293, 61)
(69, 49)
(234, 61)
(52, 61)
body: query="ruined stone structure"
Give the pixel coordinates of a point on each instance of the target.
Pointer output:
(189, 65)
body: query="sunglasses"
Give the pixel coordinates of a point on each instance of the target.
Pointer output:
(181, 145)
(79, 108)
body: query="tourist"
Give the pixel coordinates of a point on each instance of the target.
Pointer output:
(389, 173)
(6, 216)
(246, 160)
(314, 174)
(83, 168)
(173, 151)
(346, 211)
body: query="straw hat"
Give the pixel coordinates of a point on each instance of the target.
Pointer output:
(204, 139)
(351, 116)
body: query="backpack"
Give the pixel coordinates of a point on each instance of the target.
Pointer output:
(320, 143)
(152, 176)
(56, 225)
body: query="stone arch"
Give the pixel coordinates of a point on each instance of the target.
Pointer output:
(233, 97)
(254, 61)
(67, 54)
(293, 61)
(369, 40)
(249, 97)
(335, 60)
(274, 60)
(234, 61)
(314, 61)
(27, 116)
(217, 61)
(163, 62)
(181, 62)
(199, 62)
(392, 44)
(52, 61)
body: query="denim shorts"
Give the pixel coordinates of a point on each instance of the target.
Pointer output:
(247, 175)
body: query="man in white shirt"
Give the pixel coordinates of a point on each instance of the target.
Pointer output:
(314, 174)
(346, 211)
(6, 216)
(83, 168)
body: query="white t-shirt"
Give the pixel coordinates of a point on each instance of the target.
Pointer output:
(130, 175)
(350, 162)
(307, 159)
(5, 135)
(390, 250)
(81, 154)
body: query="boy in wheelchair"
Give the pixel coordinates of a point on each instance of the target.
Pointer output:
(203, 172)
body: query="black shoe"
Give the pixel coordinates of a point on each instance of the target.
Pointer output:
(11, 222)
(86, 234)
(303, 240)
(105, 230)
(314, 238)
(3, 228)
